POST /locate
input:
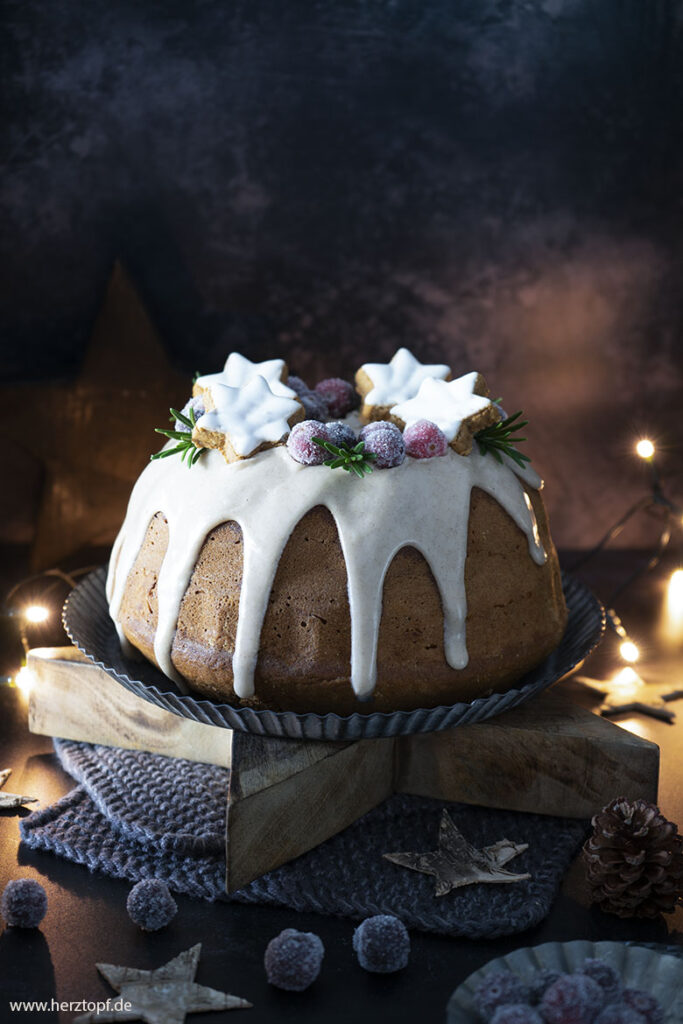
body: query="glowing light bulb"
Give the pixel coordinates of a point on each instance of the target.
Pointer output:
(629, 651)
(645, 448)
(36, 613)
(24, 680)
(674, 594)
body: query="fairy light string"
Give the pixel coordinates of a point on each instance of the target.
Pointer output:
(656, 501)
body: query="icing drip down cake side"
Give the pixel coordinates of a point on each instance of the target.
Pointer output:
(285, 551)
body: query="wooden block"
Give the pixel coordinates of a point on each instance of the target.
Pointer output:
(284, 802)
(549, 756)
(75, 700)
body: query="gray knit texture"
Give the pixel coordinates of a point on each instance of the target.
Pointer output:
(136, 815)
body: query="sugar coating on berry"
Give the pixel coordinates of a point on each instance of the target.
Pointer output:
(572, 999)
(424, 440)
(382, 944)
(24, 903)
(501, 988)
(372, 426)
(302, 447)
(516, 1013)
(606, 976)
(196, 404)
(340, 433)
(386, 445)
(293, 959)
(150, 905)
(340, 396)
(644, 1003)
(619, 1013)
(541, 981)
(315, 406)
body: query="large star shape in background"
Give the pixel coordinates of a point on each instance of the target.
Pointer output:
(95, 434)
(456, 862)
(459, 407)
(163, 996)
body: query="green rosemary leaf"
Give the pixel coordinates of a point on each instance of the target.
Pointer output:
(353, 460)
(175, 415)
(175, 435)
(500, 439)
(189, 451)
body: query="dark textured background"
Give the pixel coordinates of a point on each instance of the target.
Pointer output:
(497, 183)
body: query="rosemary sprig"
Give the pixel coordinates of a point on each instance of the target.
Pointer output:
(500, 438)
(353, 460)
(186, 447)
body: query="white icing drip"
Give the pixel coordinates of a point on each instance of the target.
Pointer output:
(239, 370)
(422, 504)
(399, 379)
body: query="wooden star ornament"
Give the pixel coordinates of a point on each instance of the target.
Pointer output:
(163, 996)
(9, 800)
(457, 863)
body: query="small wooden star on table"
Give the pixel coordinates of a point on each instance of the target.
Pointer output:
(9, 800)
(163, 996)
(456, 862)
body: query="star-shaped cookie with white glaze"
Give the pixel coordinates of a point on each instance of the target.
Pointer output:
(457, 863)
(163, 996)
(459, 407)
(382, 385)
(241, 421)
(239, 370)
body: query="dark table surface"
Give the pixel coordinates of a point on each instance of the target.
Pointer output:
(87, 920)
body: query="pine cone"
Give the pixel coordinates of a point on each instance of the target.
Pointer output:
(634, 860)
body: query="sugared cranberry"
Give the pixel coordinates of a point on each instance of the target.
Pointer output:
(644, 1004)
(339, 395)
(572, 999)
(424, 440)
(340, 433)
(386, 445)
(302, 447)
(314, 404)
(500, 988)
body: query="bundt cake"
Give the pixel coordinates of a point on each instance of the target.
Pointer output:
(363, 564)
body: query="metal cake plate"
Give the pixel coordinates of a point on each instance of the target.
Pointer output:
(89, 626)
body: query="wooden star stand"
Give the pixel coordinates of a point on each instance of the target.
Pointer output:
(549, 756)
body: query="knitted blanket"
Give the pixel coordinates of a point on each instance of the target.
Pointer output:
(137, 815)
